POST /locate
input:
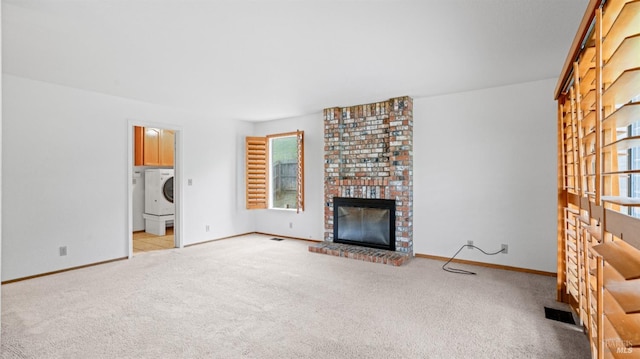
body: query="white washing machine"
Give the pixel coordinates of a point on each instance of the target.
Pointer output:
(158, 193)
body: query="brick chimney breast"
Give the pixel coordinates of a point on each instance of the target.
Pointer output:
(368, 153)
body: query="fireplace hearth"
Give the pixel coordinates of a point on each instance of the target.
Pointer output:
(365, 222)
(365, 254)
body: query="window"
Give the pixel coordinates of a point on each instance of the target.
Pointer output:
(275, 171)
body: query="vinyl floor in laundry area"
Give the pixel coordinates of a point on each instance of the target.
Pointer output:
(145, 242)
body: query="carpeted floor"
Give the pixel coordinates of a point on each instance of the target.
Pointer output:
(251, 297)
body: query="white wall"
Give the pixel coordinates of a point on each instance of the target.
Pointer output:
(485, 170)
(64, 154)
(308, 224)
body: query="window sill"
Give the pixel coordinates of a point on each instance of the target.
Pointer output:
(284, 209)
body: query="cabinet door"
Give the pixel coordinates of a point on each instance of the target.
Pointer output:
(138, 140)
(167, 138)
(151, 146)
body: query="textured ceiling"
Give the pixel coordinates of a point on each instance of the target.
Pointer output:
(261, 60)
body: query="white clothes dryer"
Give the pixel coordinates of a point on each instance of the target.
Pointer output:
(158, 193)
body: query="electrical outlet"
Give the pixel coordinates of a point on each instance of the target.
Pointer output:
(206, 228)
(290, 224)
(505, 249)
(469, 243)
(189, 182)
(63, 251)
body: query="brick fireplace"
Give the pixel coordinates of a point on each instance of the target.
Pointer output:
(368, 152)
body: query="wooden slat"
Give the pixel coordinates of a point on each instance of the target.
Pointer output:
(589, 120)
(585, 204)
(586, 61)
(624, 58)
(595, 232)
(610, 305)
(573, 199)
(572, 287)
(624, 116)
(623, 201)
(623, 261)
(627, 326)
(589, 137)
(619, 173)
(625, 227)
(622, 144)
(588, 103)
(596, 212)
(587, 80)
(626, 23)
(623, 89)
(626, 293)
(585, 221)
(611, 11)
(610, 337)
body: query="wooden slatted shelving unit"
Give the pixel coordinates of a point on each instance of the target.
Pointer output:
(598, 98)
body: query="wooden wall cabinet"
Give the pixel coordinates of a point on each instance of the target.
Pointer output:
(153, 146)
(598, 98)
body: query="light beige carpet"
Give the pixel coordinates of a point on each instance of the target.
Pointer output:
(250, 297)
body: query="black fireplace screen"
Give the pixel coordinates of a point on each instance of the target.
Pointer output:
(364, 222)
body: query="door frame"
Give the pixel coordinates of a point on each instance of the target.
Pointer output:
(177, 179)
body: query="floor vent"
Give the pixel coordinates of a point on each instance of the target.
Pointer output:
(277, 239)
(559, 315)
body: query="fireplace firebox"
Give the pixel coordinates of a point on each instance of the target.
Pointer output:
(365, 222)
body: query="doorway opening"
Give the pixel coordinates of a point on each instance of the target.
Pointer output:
(154, 188)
